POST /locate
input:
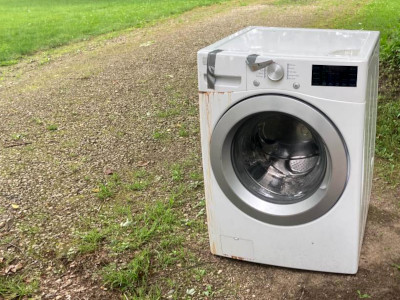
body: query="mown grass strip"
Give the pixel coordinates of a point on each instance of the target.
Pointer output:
(30, 25)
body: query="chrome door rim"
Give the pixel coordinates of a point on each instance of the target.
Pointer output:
(313, 207)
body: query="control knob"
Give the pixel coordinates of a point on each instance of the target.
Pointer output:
(275, 71)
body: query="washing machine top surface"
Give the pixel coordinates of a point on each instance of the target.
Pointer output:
(299, 42)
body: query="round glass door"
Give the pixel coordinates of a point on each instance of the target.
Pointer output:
(279, 159)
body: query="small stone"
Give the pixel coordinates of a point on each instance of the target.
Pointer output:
(170, 292)
(108, 172)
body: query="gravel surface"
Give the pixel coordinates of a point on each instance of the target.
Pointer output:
(67, 122)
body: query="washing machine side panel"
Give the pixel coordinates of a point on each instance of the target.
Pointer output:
(369, 137)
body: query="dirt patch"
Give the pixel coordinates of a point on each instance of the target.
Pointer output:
(130, 103)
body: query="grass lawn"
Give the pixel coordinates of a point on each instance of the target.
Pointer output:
(383, 16)
(30, 25)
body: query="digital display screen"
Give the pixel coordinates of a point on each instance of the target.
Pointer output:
(323, 75)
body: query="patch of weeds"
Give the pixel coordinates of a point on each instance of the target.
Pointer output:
(209, 291)
(108, 189)
(138, 185)
(87, 74)
(168, 113)
(171, 251)
(104, 192)
(157, 135)
(193, 111)
(140, 174)
(16, 286)
(362, 296)
(90, 241)
(171, 242)
(195, 175)
(183, 132)
(122, 210)
(44, 61)
(140, 182)
(133, 231)
(397, 266)
(17, 136)
(120, 133)
(177, 172)
(30, 230)
(199, 273)
(52, 127)
(129, 277)
(196, 180)
(75, 168)
(114, 180)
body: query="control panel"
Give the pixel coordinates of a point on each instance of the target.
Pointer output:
(325, 75)
(307, 77)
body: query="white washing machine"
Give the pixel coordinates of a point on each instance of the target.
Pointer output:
(288, 130)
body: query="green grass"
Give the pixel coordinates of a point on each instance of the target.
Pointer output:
(17, 136)
(183, 132)
(90, 241)
(52, 127)
(30, 25)
(107, 190)
(15, 287)
(388, 131)
(157, 134)
(362, 296)
(145, 235)
(130, 276)
(383, 16)
(176, 172)
(140, 181)
(104, 192)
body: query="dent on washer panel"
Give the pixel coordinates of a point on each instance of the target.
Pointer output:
(241, 248)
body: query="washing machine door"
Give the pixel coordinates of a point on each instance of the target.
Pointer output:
(279, 159)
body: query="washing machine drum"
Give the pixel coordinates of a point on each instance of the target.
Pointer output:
(279, 159)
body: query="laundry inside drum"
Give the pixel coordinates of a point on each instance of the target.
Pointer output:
(279, 157)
